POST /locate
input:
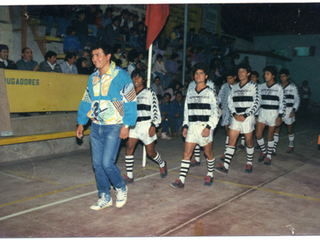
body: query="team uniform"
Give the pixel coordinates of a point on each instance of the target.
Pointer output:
(243, 100)
(273, 105)
(291, 95)
(148, 115)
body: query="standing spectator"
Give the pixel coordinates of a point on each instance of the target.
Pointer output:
(91, 13)
(173, 68)
(98, 23)
(81, 26)
(133, 39)
(50, 63)
(4, 61)
(160, 71)
(305, 99)
(133, 59)
(26, 62)
(71, 42)
(176, 113)
(110, 123)
(82, 66)
(68, 66)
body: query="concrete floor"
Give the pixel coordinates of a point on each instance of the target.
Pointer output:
(50, 196)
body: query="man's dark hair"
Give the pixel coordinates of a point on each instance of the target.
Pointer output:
(133, 54)
(174, 56)
(231, 72)
(167, 94)
(49, 54)
(105, 48)
(24, 49)
(117, 18)
(284, 71)
(156, 77)
(271, 69)
(202, 66)
(244, 66)
(69, 55)
(108, 9)
(159, 97)
(138, 72)
(3, 47)
(70, 29)
(178, 92)
(255, 73)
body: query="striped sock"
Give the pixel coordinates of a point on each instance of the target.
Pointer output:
(185, 165)
(276, 140)
(291, 139)
(262, 146)
(197, 153)
(159, 160)
(226, 145)
(243, 141)
(228, 157)
(250, 152)
(129, 165)
(210, 166)
(270, 148)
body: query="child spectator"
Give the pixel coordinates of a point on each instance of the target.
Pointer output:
(82, 66)
(71, 42)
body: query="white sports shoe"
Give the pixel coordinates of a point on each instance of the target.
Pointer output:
(103, 202)
(122, 195)
(164, 136)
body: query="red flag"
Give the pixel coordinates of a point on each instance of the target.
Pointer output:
(155, 19)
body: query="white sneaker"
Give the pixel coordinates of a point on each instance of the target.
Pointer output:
(122, 195)
(164, 136)
(103, 202)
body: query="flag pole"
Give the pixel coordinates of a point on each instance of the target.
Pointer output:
(144, 154)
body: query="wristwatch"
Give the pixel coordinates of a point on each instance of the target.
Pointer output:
(126, 126)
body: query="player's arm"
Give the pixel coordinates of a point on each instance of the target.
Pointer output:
(256, 102)
(185, 123)
(155, 114)
(296, 101)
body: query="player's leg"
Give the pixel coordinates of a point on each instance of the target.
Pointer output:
(291, 137)
(196, 160)
(250, 151)
(267, 160)
(185, 165)
(157, 158)
(233, 136)
(129, 159)
(276, 139)
(226, 142)
(210, 164)
(260, 140)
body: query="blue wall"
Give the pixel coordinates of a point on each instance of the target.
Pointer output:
(301, 68)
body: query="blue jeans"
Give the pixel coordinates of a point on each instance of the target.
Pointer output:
(105, 142)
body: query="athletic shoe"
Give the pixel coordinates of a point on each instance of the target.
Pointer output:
(128, 180)
(209, 181)
(248, 168)
(194, 163)
(267, 161)
(222, 157)
(241, 146)
(290, 150)
(262, 157)
(164, 136)
(164, 171)
(221, 169)
(177, 184)
(122, 195)
(104, 202)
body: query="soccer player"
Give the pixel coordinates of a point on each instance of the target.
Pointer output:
(197, 149)
(223, 95)
(291, 94)
(272, 109)
(201, 116)
(243, 102)
(148, 120)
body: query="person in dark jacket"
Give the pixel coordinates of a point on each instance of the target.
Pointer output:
(4, 61)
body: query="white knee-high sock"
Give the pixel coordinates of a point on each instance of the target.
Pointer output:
(276, 140)
(210, 166)
(197, 153)
(270, 148)
(129, 165)
(185, 165)
(291, 140)
(228, 157)
(250, 152)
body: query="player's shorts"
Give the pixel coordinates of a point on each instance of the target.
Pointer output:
(288, 120)
(226, 118)
(268, 117)
(194, 134)
(141, 132)
(244, 127)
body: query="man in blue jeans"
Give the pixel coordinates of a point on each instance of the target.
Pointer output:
(110, 102)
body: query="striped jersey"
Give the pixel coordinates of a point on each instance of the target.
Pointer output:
(148, 108)
(291, 94)
(209, 83)
(223, 96)
(201, 107)
(244, 100)
(272, 98)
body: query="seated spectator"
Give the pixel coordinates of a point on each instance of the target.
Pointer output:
(111, 34)
(133, 39)
(82, 66)
(107, 17)
(86, 54)
(156, 87)
(98, 23)
(68, 66)
(173, 88)
(164, 110)
(172, 68)
(26, 62)
(91, 13)
(124, 25)
(160, 71)
(176, 113)
(71, 42)
(4, 61)
(133, 59)
(81, 27)
(174, 36)
(142, 59)
(142, 35)
(120, 56)
(50, 63)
